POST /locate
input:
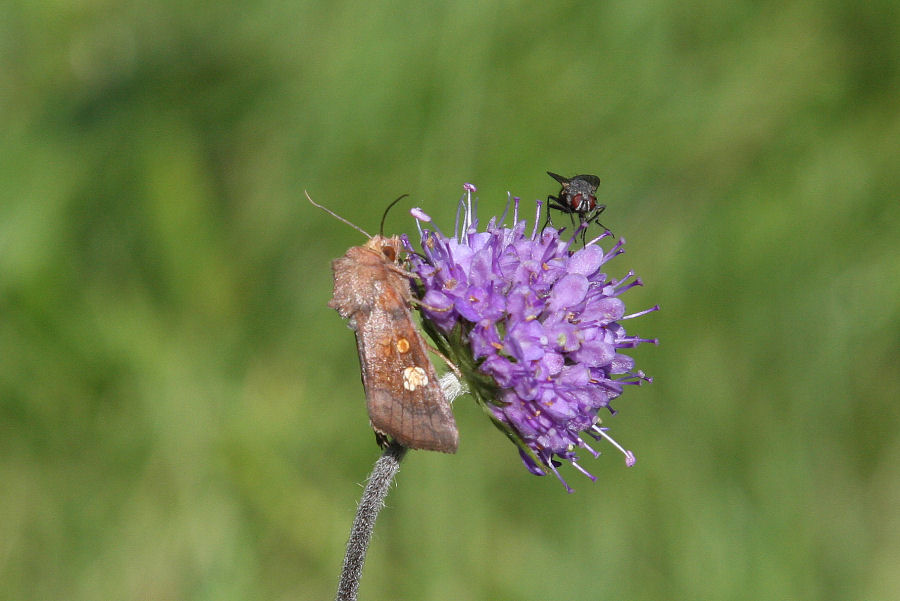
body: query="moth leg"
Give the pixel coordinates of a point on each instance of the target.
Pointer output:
(418, 303)
(382, 439)
(404, 272)
(449, 363)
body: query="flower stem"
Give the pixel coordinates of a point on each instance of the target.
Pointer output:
(371, 503)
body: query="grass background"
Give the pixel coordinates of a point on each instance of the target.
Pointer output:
(181, 416)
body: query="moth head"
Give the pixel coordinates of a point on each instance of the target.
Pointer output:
(388, 247)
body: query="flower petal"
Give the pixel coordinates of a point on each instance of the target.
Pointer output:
(568, 292)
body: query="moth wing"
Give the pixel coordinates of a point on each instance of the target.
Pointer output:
(354, 276)
(403, 395)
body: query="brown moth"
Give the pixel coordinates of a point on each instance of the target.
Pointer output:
(403, 395)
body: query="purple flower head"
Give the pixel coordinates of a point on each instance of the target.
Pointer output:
(533, 324)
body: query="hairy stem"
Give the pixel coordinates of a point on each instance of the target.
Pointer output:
(371, 503)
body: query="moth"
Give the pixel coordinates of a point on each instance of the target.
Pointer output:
(578, 196)
(403, 395)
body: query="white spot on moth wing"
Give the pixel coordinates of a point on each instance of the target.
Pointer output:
(413, 377)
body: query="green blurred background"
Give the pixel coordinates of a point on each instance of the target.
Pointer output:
(181, 416)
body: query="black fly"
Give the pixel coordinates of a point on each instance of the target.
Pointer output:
(578, 196)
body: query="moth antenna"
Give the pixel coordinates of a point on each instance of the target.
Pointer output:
(384, 216)
(338, 217)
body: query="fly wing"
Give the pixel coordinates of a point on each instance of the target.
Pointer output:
(592, 180)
